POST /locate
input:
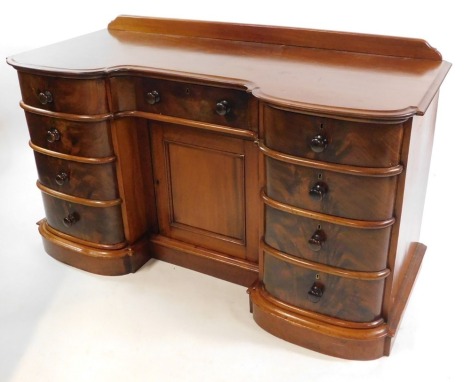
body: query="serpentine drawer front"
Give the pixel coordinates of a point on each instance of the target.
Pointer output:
(290, 161)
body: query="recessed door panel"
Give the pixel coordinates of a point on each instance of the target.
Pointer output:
(201, 184)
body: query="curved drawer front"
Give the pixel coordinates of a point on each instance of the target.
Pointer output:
(327, 243)
(98, 225)
(344, 298)
(335, 141)
(84, 139)
(217, 105)
(349, 196)
(91, 181)
(64, 95)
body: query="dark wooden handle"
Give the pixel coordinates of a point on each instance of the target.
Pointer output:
(70, 219)
(61, 178)
(53, 135)
(152, 97)
(318, 143)
(45, 97)
(317, 240)
(222, 107)
(316, 290)
(319, 190)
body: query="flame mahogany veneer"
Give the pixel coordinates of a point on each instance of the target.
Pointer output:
(291, 161)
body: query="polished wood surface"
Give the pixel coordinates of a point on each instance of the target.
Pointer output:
(84, 180)
(342, 247)
(353, 143)
(201, 191)
(66, 95)
(355, 197)
(80, 139)
(166, 53)
(291, 161)
(181, 99)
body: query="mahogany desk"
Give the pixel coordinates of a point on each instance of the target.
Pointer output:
(291, 161)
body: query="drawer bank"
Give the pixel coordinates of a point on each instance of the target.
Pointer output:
(290, 161)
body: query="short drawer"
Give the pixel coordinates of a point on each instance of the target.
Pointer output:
(343, 298)
(331, 140)
(332, 244)
(345, 195)
(98, 225)
(83, 139)
(65, 95)
(212, 104)
(90, 181)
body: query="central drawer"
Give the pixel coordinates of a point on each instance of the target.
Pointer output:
(211, 104)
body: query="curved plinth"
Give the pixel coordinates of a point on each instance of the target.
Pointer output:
(335, 337)
(108, 262)
(339, 339)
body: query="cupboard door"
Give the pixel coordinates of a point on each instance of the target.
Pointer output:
(201, 186)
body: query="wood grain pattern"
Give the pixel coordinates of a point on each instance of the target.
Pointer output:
(332, 339)
(201, 188)
(364, 224)
(135, 179)
(83, 139)
(411, 192)
(324, 268)
(95, 225)
(72, 96)
(376, 172)
(348, 42)
(83, 180)
(240, 271)
(102, 261)
(293, 159)
(186, 100)
(352, 143)
(344, 247)
(343, 298)
(354, 197)
(330, 89)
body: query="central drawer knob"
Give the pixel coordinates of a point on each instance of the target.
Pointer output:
(45, 97)
(318, 143)
(61, 178)
(53, 135)
(316, 290)
(222, 107)
(319, 190)
(152, 97)
(317, 239)
(70, 219)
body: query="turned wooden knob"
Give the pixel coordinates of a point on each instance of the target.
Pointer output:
(45, 97)
(70, 219)
(318, 143)
(152, 97)
(53, 135)
(316, 290)
(61, 178)
(319, 190)
(317, 239)
(222, 107)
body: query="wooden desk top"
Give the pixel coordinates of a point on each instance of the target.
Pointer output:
(342, 74)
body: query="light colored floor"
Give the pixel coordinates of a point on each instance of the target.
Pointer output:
(166, 323)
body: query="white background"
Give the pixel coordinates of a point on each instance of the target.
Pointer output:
(165, 323)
